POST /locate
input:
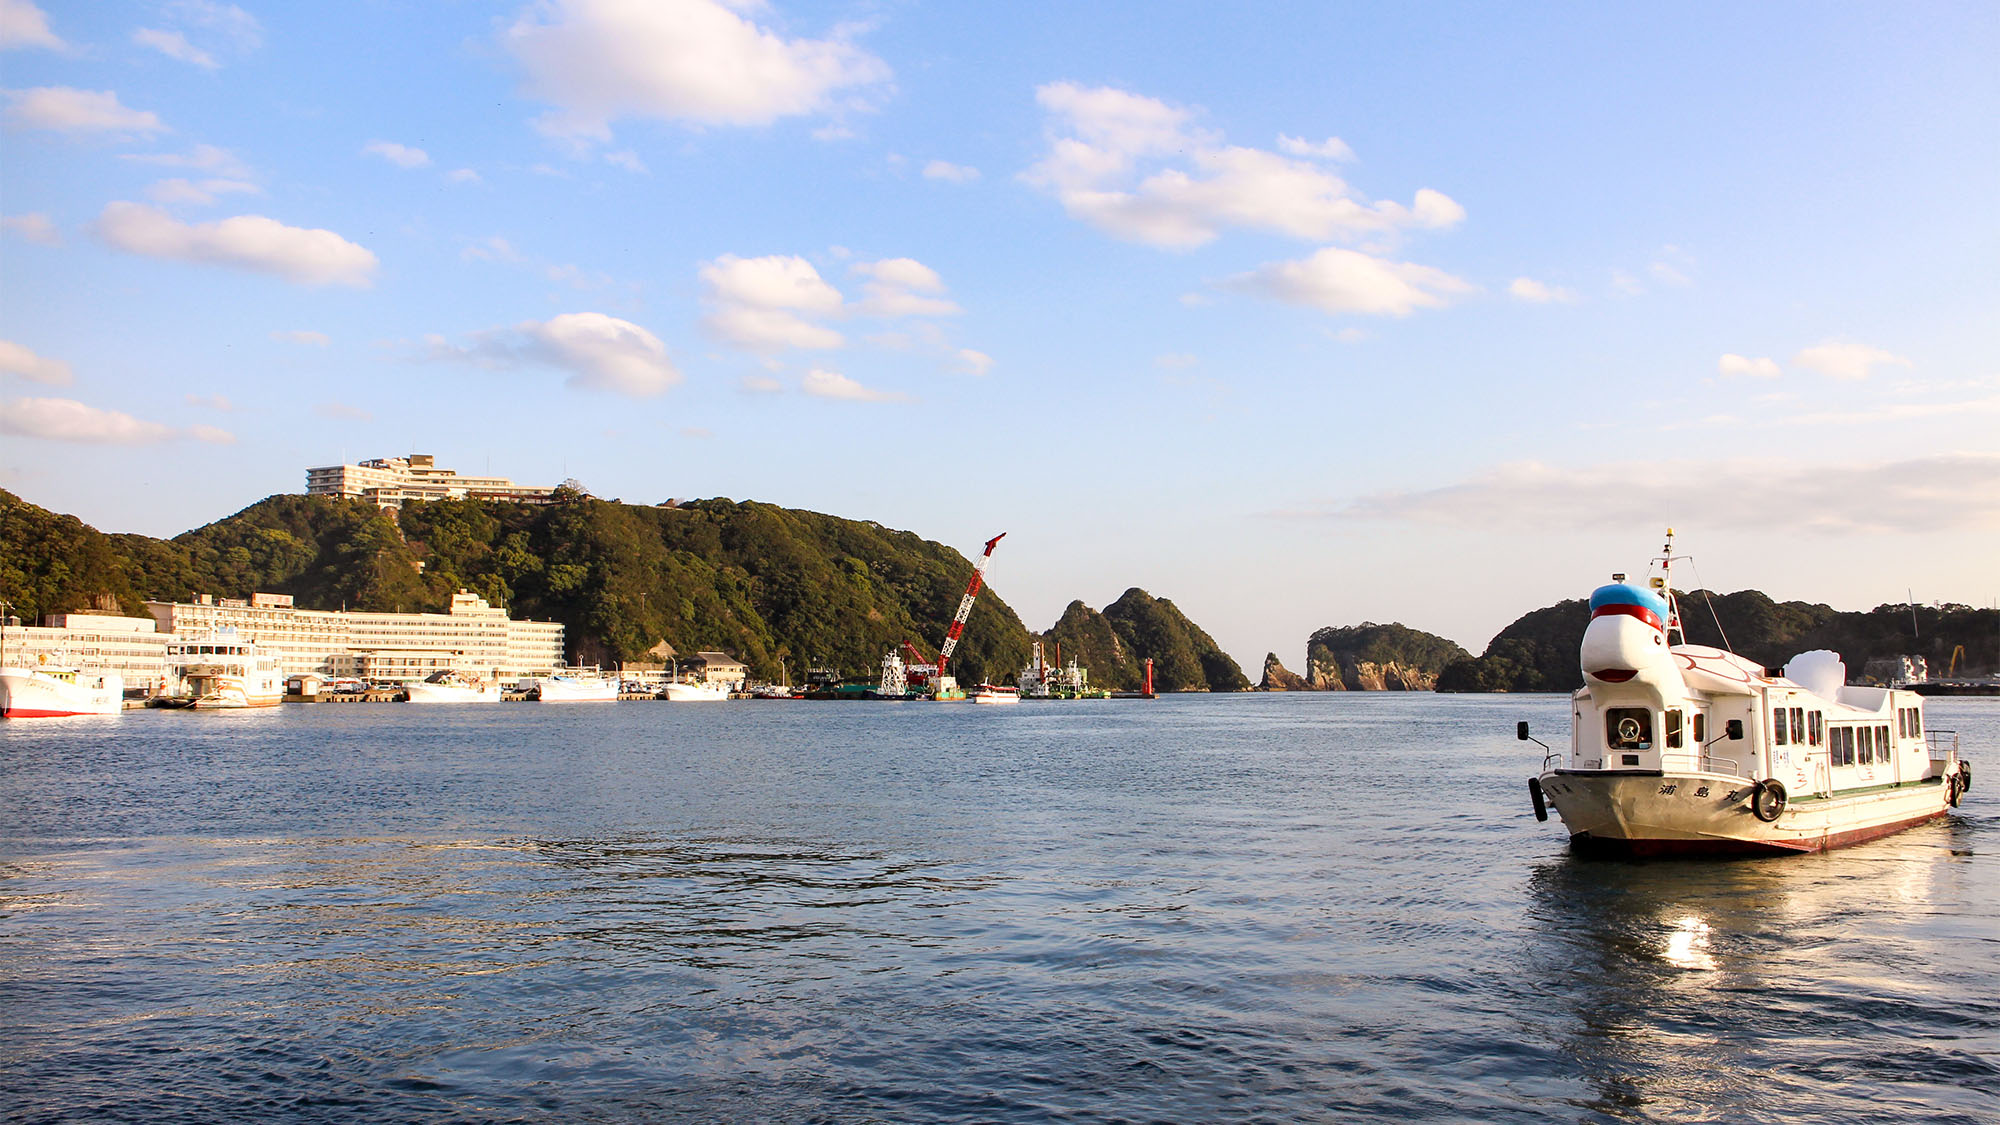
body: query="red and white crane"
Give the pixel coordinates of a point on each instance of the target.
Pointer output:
(965, 603)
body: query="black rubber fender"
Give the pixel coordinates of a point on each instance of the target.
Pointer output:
(1953, 790)
(1767, 800)
(1535, 795)
(1965, 777)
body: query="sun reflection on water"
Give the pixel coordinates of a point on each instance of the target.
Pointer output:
(1687, 945)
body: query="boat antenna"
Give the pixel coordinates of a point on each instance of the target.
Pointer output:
(1665, 585)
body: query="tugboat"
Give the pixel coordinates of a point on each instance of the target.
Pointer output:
(1680, 749)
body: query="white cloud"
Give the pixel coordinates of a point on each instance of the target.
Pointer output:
(1844, 359)
(219, 162)
(900, 287)
(832, 384)
(949, 172)
(174, 45)
(492, 248)
(1626, 284)
(252, 242)
(227, 22)
(1669, 274)
(1332, 148)
(63, 419)
(1762, 367)
(628, 160)
(1953, 490)
(1138, 169)
(1540, 293)
(768, 303)
(975, 363)
(402, 156)
(33, 226)
(211, 402)
(598, 352)
(22, 24)
(1335, 280)
(760, 384)
(199, 194)
(463, 176)
(303, 336)
(695, 61)
(17, 360)
(65, 109)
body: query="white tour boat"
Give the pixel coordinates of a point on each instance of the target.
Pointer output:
(451, 686)
(220, 671)
(682, 691)
(578, 685)
(1680, 749)
(993, 693)
(48, 690)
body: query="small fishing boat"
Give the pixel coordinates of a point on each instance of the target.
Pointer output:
(1680, 749)
(577, 685)
(452, 686)
(222, 671)
(994, 693)
(55, 689)
(685, 691)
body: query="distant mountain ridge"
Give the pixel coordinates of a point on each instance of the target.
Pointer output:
(779, 588)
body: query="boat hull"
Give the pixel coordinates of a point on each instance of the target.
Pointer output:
(578, 691)
(452, 693)
(1697, 814)
(28, 694)
(694, 693)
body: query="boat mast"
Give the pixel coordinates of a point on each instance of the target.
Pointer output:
(1664, 583)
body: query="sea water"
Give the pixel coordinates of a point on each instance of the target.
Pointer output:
(1257, 907)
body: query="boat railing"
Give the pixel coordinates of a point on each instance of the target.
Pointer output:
(1943, 744)
(1551, 760)
(1713, 764)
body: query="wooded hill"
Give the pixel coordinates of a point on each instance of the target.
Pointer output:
(776, 587)
(1538, 652)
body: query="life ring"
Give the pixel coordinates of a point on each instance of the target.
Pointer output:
(1768, 800)
(1628, 730)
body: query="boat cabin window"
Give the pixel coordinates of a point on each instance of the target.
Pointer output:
(1778, 726)
(1629, 728)
(1673, 730)
(1882, 742)
(1840, 746)
(1701, 728)
(1814, 733)
(1798, 726)
(1867, 746)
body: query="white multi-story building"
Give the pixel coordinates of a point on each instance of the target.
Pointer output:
(472, 637)
(390, 481)
(130, 646)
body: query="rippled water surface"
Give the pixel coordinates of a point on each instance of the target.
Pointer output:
(1253, 907)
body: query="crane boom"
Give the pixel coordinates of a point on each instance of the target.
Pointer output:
(965, 603)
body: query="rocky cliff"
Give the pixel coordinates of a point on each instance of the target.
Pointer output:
(1279, 678)
(1372, 657)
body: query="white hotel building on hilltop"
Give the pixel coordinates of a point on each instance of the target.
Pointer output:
(389, 481)
(473, 637)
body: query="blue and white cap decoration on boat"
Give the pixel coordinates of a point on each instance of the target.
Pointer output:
(1632, 601)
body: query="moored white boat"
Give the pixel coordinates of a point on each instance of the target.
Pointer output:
(1679, 749)
(452, 687)
(993, 693)
(48, 691)
(681, 691)
(220, 671)
(581, 685)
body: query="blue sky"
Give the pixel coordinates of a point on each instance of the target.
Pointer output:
(1297, 314)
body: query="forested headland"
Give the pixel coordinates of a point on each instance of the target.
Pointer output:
(778, 588)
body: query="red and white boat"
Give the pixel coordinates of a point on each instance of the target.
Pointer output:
(993, 693)
(48, 691)
(1680, 749)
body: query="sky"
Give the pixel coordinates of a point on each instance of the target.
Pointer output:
(1297, 314)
